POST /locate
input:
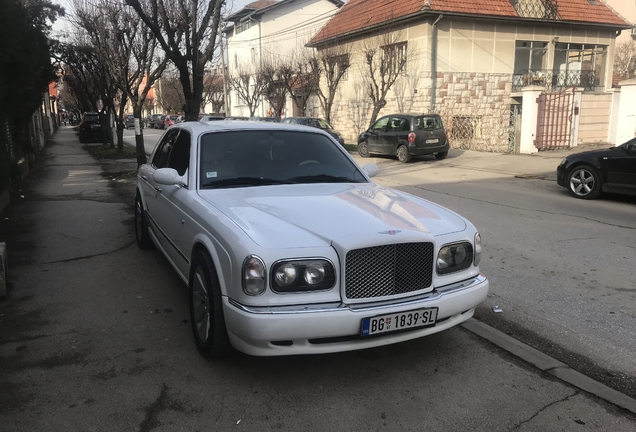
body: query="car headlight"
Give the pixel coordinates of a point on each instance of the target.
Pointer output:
(454, 257)
(564, 161)
(477, 258)
(254, 276)
(302, 275)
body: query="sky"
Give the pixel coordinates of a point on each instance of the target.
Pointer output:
(62, 25)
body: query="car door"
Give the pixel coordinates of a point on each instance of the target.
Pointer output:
(374, 137)
(620, 169)
(174, 222)
(150, 189)
(396, 134)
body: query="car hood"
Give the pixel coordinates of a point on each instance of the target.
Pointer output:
(596, 154)
(315, 215)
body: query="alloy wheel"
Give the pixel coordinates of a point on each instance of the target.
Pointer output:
(201, 305)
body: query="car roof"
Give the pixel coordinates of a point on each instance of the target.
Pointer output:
(198, 128)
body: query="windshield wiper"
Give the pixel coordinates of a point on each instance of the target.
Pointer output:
(243, 181)
(323, 178)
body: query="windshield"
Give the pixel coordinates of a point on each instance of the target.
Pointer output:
(266, 157)
(323, 124)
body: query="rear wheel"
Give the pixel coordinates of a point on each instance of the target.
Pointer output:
(363, 149)
(584, 182)
(441, 155)
(206, 308)
(141, 226)
(403, 154)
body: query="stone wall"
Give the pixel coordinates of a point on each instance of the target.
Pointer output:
(475, 108)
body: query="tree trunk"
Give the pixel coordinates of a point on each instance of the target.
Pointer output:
(139, 136)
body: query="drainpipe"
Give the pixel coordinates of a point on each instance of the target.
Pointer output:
(434, 63)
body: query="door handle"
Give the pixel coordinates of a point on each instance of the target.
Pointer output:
(157, 188)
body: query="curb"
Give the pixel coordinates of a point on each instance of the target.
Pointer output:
(550, 365)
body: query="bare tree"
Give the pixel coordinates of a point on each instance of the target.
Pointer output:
(169, 94)
(385, 58)
(331, 66)
(214, 91)
(276, 75)
(249, 85)
(187, 30)
(625, 59)
(359, 108)
(405, 86)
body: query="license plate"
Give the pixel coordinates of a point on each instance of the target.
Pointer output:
(432, 141)
(399, 321)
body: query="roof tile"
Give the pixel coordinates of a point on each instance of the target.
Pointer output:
(360, 14)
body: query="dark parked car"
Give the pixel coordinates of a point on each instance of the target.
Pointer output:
(236, 118)
(265, 119)
(159, 122)
(129, 121)
(317, 123)
(90, 129)
(404, 136)
(586, 175)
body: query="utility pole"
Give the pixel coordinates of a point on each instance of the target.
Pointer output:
(225, 99)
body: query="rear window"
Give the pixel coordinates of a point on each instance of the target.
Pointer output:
(91, 117)
(174, 117)
(130, 117)
(428, 123)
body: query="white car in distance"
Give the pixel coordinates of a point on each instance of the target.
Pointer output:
(287, 246)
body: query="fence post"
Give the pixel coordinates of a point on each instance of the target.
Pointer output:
(576, 116)
(626, 125)
(529, 118)
(616, 100)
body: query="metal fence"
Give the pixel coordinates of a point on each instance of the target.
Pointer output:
(546, 9)
(480, 130)
(555, 80)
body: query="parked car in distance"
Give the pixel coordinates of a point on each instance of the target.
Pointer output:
(317, 123)
(237, 118)
(154, 120)
(129, 121)
(405, 136)
(160, 122)
(90, 129)
(171, 120)
(211, 118)
(288, 247)
(265, 119)
(588, 174)
(148, 121)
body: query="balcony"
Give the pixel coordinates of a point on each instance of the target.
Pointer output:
(555, 80)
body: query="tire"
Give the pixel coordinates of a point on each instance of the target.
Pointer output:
(141, 226)
(441, 155)
(206, 308)
(403, 154)
(584, 182)
(363, 149)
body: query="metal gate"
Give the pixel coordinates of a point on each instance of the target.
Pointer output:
(554, 125)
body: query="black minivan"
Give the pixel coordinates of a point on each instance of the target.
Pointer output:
(404, 136)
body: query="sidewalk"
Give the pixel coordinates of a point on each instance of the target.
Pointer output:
(541, 165)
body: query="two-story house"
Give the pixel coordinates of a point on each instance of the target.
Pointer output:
(266, 31)
(471, 61)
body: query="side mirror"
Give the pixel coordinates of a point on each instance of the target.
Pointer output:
(168, 176)
(371, 169)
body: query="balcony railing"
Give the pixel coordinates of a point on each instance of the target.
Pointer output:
(555, 80)
(544, 9)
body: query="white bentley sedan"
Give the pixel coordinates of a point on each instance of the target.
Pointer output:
(287, 246)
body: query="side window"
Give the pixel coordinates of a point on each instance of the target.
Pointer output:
(380, 125)
(160, 160)
(397, 124)
(179, 158)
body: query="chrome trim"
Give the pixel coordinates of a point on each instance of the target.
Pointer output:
(338, 307)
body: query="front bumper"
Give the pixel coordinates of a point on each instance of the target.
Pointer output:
(325, 328)
(562, 174)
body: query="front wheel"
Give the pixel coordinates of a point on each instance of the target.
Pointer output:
(206, 308)
(403, 154)
(584, 182)
(441, 155)
(363, 149)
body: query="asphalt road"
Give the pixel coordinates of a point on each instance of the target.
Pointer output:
(95, 336)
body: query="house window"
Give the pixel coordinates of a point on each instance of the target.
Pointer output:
(580, 64)
(241, 26)
(466, 127)
(340, 63)
(530, 56)
(394, 57)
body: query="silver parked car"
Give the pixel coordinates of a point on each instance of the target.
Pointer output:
(288, 247)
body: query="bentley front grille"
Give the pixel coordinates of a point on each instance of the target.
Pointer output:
(388, 270)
